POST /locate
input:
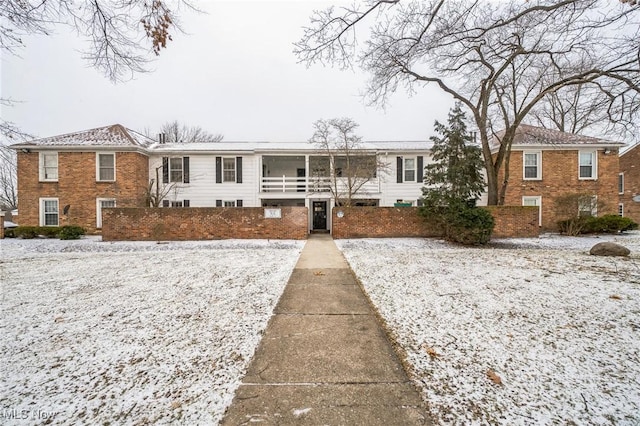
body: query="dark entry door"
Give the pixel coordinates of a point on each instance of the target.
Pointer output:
(319, 215)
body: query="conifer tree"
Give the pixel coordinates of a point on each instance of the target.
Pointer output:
(454, 181)
(455, 175)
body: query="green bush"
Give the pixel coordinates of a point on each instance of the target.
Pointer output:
(609, 224)
(26, 232)
(70, 232)
(469, 225)
(64, 233)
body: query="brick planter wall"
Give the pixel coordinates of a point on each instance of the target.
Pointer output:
(201, 223)
(388, 222)
(380, 222)
(514, 221)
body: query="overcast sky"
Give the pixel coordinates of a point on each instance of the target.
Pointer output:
(233, 72)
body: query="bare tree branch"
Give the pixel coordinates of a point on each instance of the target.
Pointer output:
(499, 59)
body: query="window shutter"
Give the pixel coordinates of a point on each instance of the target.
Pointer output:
(218, 203)
(165, 169)
(185, 203)
(399, 169)
(218, 170)
(420, 171)
(165, 203)
(238, 169)
(185, 169)
(238, 203)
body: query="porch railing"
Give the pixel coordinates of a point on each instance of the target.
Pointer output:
(295, 184)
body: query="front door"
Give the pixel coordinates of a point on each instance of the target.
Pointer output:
(319, 215)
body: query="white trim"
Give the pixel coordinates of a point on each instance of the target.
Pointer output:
(99, 210)
(538, 155)
(404, 169)
(235, 169)
(621, 209)
(594, 165)
(42, 210)
(538, 201)
(621, 183)
(594, 206)
(98, 154)
(41, 167)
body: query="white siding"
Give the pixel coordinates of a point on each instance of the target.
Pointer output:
(392, 191)
(202, 189)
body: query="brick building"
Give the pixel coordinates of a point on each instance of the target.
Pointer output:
(629, 183)
(68, 179)
(547, 164)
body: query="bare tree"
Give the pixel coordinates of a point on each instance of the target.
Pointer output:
(350, 166)
(583, 110)
(499, 59)
(156, 191)
(115, 29)
(175, 132)
(8, 179)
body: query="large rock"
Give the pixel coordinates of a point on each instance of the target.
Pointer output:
(609, 249)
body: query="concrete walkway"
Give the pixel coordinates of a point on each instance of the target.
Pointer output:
(324, 359)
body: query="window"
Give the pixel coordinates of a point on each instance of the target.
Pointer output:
(534, 201)
(588, 206)
(621, 183)
(587, 165)
(49, 166)
(621, 209)
(49, 215)
(175, 169)
(100, 204)
(229, 203)
(106, 164)
(183, 203)
(409, 169)
(228, 170)
(532, 165)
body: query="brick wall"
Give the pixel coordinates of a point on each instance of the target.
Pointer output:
(77, 186)
(630, 166)
(514, 221)
(383, 222)
(559, 178)
(202, 223)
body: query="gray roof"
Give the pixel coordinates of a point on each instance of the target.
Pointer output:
(118, 136)
(527, 135)
(109, 136)
(282, 146)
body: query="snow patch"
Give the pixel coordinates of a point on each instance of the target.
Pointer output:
(557, 328)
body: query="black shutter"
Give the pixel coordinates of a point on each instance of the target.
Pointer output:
(165, 169)
(165, 203)
(218, 203)
(218, 169)
(185, 203)
(399, 169)
(239, 169)
(238, 203)
(420, 171)
(185, 169)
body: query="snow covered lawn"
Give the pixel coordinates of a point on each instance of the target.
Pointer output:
(132, 333)
(532, 331)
